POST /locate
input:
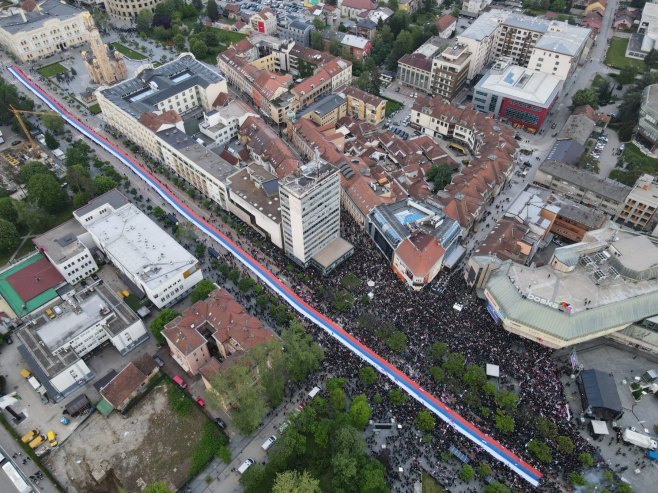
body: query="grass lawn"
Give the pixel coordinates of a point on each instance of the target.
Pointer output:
(95, 109)
(392, 106)
(637, 163)
(52, 70)
(616, 56)
(430, 485)
(128, 52)
(229, 37)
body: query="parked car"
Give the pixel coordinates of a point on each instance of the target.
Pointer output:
(553, 125)
(200, 401)
(158, 361)
(220, 422)
(179, 381)
(268, 443)
(8, 339)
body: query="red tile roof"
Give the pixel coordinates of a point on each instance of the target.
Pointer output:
(359, 4)
(364, 96)
(416, 60)
(420, 252)
(155, 122)
(123, 385)
(444, 22)
(264, 142)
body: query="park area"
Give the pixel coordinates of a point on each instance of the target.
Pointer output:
(52, 70)
(128, 52)
(164, 437)
(616, 56)
(635, 163)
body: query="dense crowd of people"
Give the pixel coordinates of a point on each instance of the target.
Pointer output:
(427, 317)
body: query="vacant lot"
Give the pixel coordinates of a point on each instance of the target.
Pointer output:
(151, 443)
(616, 56)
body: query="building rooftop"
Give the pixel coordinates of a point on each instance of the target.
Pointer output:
(364, 96)
(324, 105)
(128, 380)
(35, 19)
(43, 336)
(260, 188)
(650, 96)
(131, 238)
(196, 153)
(114, 198)
(584, 179)
(143, 92)
(521, 84)
(307, 176)
(61, 243)
(355, 41)
(581, 214)
(578, 128)
(566, 151)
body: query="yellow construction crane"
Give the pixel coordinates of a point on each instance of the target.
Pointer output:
(17, 113)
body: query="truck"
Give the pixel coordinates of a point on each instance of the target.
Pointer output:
(652, 455)
(639, 439)
(16, 479)
(29, 436)
(37, 441)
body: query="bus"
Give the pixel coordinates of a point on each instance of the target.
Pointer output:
(17, 480)
(457, 148)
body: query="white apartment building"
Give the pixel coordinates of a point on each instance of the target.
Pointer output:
(475, 6)
(151, 259)
(40, 30)
(222, 124)
(310, 210)
(54, 349)
(552, 47)
(68, 247)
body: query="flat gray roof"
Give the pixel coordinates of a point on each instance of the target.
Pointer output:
(49, 9)
(333, 252)
(61, 242)
(142, 93)
(324, 105)
(113, 198)
(589, 181)
(592, 218)
(243, 184)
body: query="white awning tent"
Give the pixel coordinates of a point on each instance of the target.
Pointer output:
(458, 306)
(493, 370)
(600, 427)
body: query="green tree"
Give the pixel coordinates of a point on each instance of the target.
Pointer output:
(585, 459)
(198, 48)
(51, 141)
(437, 350)
(78, 153)
(144, 21)
(103, 184)
(302, 354)
(484, 470)
(318, 24)
(475, 376)
(651, 60)
(577, 479)
(546, 427)
(438, 374)
(454, 364)
(202, 290)
(200, 251)
(9, 237)
(335, 48)
(33, 217)
(53, 122)
(627, 75)
(506, 399)
(79, 181)
(373, 478)
(585, 97)
(466, 474)
(622, 487)
(397, 397)
(31, 168)
(393, 5)
(504, 422)
(295, 482)
(424, 421)
(397, 342)
(212, 11)
(368, 375)
(540, 450)
(179, 42)
(316, 40)
(44, 190)
(440, 175)
(8, 211)
(360, 412)
(165, 316)
(159, 487)
(338, 399)
(496, 487)
(158, 213)
(565, 444)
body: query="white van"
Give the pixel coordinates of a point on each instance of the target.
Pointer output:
(245, 465)
(268, 443)
(58, 310)
(314, 391)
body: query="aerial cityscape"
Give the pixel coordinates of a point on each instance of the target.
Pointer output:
(307, 246)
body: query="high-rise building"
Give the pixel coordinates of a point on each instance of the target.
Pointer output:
(105, 66)
(310, 213)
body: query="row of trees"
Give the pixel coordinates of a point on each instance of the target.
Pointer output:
(323, 441)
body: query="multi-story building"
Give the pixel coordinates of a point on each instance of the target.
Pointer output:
(217, 326)
(415, 238)
(310, 212)
(69, 248)
(607, 195)
(450, 71)
(549, 46)
(415, 69)
(151, 259)
(35, 31)
(353, 9)
(641, 43)
(264, 22)
(55, 349)
(640, 206)
(326, 111)
(159, 97)
(646, 133)
(296, 30)
(355, 47)
(475, 6)
(222, 124)
(364, 106)
(128, 9)
(446, 24)
(518, 95)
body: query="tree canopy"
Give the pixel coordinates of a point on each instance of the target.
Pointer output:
(303, 355)
(165, 316)
(202, 290)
